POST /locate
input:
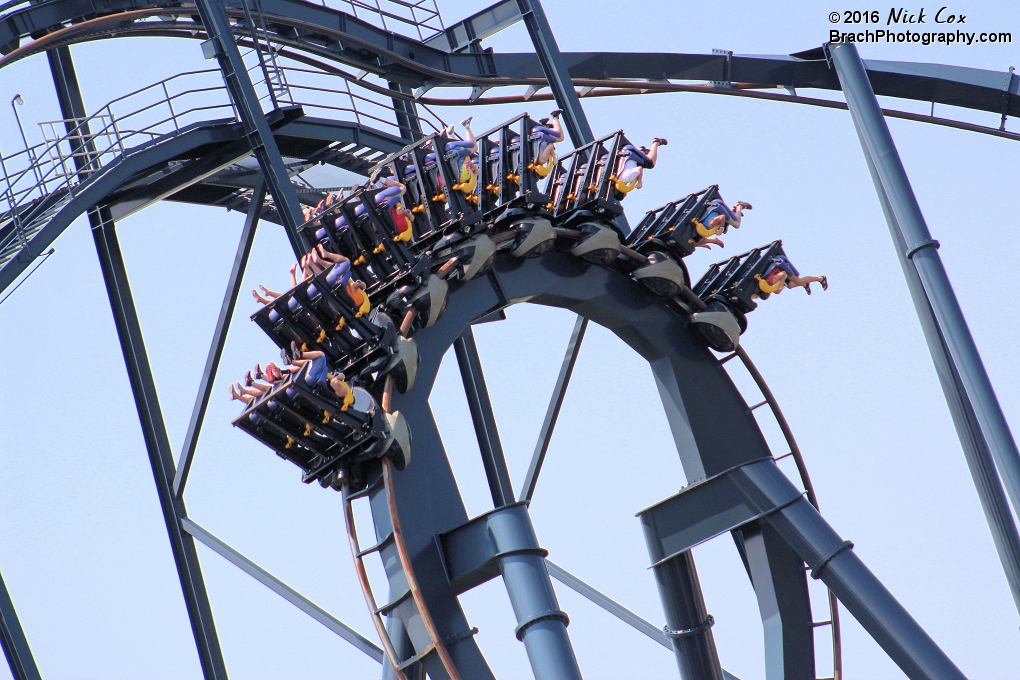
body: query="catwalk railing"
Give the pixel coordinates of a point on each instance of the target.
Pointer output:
(44, 175)
(419, 19)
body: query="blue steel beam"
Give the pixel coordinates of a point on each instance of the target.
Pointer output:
(12, 638)
(413, 63)
(143, 387)
(249, 110)
(157, 443)
(212, 362)
(477, 27)
(981, 425)
(555, 70)
(758, 489)
(283, 590)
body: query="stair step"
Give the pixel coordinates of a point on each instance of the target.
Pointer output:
(377, 547)
(385, 609)
(404, 665)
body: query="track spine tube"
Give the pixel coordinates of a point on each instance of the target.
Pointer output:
(839, 568)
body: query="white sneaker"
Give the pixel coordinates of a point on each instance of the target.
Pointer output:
(467, 121)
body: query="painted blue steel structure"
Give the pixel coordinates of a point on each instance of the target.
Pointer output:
(986, 439)
(735, 484)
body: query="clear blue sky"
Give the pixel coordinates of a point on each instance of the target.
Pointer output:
(82, 543)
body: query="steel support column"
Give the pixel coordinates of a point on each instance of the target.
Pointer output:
(975, 448)
(157, 443)
(757, 491)
(980, 423)
(688, 623)
(407, 114)
(503, 541)
(541, 625)
(556, 71)
(249, 110)
(143, 387)
(780, 586)
(212, 362)
(833, 561)
(12, 638)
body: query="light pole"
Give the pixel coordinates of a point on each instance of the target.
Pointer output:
(10, 200)
(31, 154)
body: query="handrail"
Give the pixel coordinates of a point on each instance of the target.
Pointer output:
(429, 10)
(51, 167)
(795, 453)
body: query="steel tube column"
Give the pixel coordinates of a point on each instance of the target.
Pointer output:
(981, 425)
(143, 387)
(689, 625)
(541, 624)
(12, 638)
(246, 102)
(968, 429)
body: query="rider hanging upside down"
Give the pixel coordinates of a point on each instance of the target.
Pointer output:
(781, 273)
(631, 175)
(718, 218)
(391, 196)
(467, 157)
(550, 131)
(466, 150)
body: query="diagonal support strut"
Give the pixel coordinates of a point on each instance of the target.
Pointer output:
(283, 590)
(12, 638)
(143, 386)
(212, 362)
(553, 412)
(246, 102)
(484, 420)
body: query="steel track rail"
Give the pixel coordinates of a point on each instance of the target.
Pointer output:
(404, 59)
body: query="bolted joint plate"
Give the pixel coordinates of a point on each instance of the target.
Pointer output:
(712, 507)
(472, 550)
